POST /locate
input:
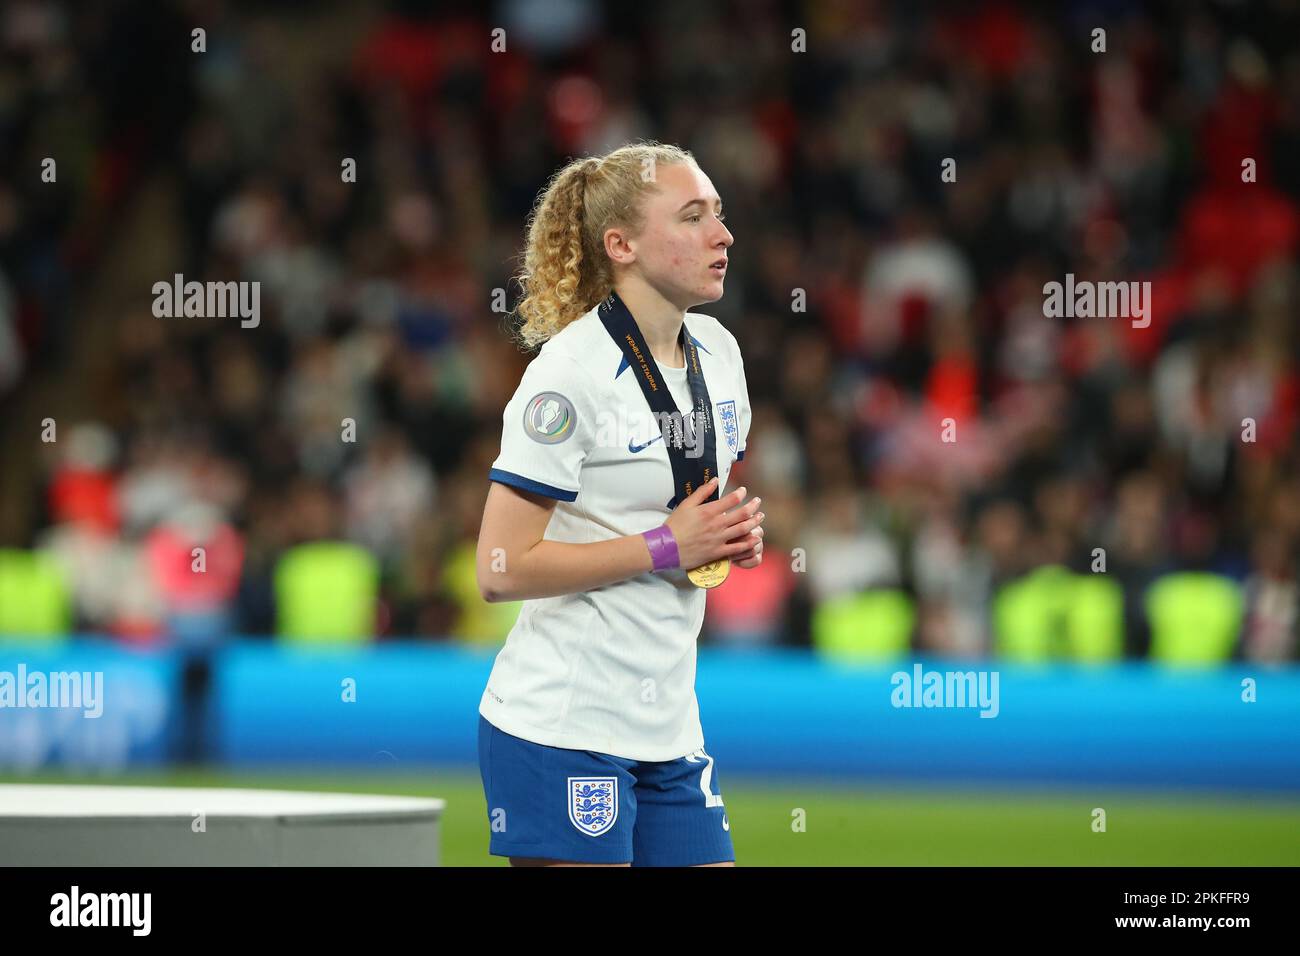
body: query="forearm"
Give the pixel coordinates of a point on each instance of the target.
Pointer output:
(551, 568)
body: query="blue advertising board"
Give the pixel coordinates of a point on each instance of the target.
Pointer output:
(86, 704)
(789, 712)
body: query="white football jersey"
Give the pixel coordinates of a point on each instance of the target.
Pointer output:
(610, 669)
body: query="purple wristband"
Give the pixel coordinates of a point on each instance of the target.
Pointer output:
(663, 547)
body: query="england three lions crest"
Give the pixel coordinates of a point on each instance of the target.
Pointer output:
(727, 414)
(593, 803)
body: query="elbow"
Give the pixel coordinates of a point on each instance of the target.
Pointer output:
(492, 587)
(495, 584)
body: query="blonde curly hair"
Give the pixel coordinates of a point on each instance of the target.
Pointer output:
(565, 270)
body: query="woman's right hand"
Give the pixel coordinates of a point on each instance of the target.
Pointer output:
(705, 531)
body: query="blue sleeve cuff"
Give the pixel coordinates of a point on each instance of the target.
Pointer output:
(740, 455)
(527, 484)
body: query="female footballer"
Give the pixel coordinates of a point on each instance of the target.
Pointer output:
(605, 516)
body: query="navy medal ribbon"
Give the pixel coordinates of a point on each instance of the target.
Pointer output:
(689, 472)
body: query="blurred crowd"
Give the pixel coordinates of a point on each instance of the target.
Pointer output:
(881, 307)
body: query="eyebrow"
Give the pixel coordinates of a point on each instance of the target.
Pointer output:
(699, 202)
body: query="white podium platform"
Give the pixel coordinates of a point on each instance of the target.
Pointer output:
(181, 826)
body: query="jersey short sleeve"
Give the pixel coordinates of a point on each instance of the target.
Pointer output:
(547, 429)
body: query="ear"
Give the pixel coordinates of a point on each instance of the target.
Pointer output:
(620, 246)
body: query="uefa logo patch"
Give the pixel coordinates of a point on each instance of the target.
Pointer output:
(549, 418)
(593, 803)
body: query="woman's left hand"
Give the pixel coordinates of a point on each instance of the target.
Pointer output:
(754, 556)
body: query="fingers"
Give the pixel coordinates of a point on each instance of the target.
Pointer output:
(745, 551)
(702, 492)
(727, 502)
(743, 546)
(733, 517)
(746, 521)
(750, 536)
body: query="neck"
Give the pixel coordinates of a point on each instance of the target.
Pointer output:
(658, 319)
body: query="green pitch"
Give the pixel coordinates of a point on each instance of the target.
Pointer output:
(871, 827)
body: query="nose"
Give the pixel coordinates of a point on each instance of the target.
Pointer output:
(726, 238)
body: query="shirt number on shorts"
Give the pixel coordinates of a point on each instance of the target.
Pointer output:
(711, 799)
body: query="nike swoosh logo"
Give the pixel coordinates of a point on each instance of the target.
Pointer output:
(725, 824)
(634, 448)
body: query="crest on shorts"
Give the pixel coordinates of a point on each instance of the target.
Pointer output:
(727, 414)
(549, 418)
(593, 803)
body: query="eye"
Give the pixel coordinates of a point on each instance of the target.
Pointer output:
(722, 216)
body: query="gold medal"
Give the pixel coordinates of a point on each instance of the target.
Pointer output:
(710, 575)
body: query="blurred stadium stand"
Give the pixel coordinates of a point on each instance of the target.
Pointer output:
(924, 300)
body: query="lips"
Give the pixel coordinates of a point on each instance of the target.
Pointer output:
(720, 265)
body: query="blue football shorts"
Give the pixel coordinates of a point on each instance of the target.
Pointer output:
(580, 806)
